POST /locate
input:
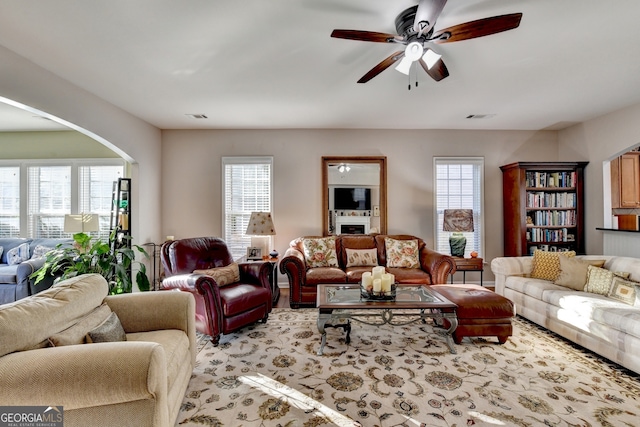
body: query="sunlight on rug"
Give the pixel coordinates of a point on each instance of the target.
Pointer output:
(270, 375)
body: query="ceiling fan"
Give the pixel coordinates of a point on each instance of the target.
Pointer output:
(415, 30)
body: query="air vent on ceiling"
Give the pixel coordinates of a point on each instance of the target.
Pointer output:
(197, 116)
(480, 116)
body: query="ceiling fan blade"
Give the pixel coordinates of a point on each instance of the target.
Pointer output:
(479, 28)
(438, 72)
(386, 63)
(366, 36)
(427, 14)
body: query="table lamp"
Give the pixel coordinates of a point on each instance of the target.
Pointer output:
(260, 228)
(81, 223)
(458, 221)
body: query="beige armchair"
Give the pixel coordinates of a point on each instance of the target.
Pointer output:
(137, 382)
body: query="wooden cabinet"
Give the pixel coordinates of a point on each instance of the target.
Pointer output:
(543, 207)
(625, 181)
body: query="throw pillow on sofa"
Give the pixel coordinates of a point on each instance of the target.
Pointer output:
(320, 252)
(40, 251)
(362, 257)
(110, 330)
(402, 253)
(573, 272)
(546, 265)
(223, 275)
(76, 333)
(18, 254)
(599, 280)
(623, 290)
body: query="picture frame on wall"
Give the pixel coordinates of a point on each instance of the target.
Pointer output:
(254, 253)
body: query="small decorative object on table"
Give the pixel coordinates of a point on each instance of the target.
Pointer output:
(274, 254)
(254, 253)
(378, 285)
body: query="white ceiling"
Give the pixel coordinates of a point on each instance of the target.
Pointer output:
(272, 64)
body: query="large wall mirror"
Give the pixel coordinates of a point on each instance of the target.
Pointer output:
(354, 195)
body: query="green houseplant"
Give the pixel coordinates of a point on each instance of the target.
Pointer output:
(95, 256)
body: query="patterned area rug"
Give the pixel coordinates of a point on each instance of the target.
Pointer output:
(270, 375)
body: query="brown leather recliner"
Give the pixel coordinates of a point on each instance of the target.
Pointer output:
(219, 309)
(435, 267)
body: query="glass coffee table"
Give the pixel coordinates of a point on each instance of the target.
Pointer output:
(412, 303)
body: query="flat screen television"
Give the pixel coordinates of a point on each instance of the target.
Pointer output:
(354, 198)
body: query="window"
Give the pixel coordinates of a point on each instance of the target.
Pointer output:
(459, 185)
(95, 192)
(49, 191)
(246, 188)
(9, 201)
(49, 199)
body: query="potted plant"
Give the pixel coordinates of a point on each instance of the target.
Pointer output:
(88, 256)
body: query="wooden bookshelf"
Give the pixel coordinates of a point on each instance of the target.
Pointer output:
(543, 207)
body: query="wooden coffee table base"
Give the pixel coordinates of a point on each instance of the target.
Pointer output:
(387, 317)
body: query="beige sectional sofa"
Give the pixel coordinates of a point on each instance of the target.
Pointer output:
(140, 381)
(600, 323)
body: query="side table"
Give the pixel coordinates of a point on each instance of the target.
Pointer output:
(468, 264)
(273, 276)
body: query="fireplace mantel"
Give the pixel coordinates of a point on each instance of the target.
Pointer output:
(347, 221)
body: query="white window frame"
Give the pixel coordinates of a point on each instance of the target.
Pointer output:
(75, 165)
(441, 238)
(237, 243)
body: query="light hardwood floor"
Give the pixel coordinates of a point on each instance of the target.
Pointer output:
(283, 301)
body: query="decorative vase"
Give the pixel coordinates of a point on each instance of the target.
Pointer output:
(273, 254)
(457, 243)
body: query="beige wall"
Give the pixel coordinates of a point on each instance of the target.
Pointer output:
(51, 145)
(191, 177)
(600, 140)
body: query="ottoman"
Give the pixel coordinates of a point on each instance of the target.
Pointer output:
(480, 312)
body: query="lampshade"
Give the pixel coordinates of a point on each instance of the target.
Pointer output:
(260, 224)
(81, 223)
(458, 220)
(431, 58)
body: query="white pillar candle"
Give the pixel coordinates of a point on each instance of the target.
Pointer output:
(367, 280)
(393, 278)
(386, 283)
(377, 272)
(377, 285)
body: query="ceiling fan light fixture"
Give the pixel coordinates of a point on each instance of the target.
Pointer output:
(412, 53)
(404, 66)
(431, 58)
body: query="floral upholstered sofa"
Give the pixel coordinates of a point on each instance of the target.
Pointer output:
(592, 300)
(312, 260)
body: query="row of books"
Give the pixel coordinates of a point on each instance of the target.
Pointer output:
(542, 199)
(553, 218)
(551, 179)
(547, 235)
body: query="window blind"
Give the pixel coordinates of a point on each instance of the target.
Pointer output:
(95, 193)
(10, 201)
(35, 195)
(49, 199)
(247, 183)
(459, 185)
